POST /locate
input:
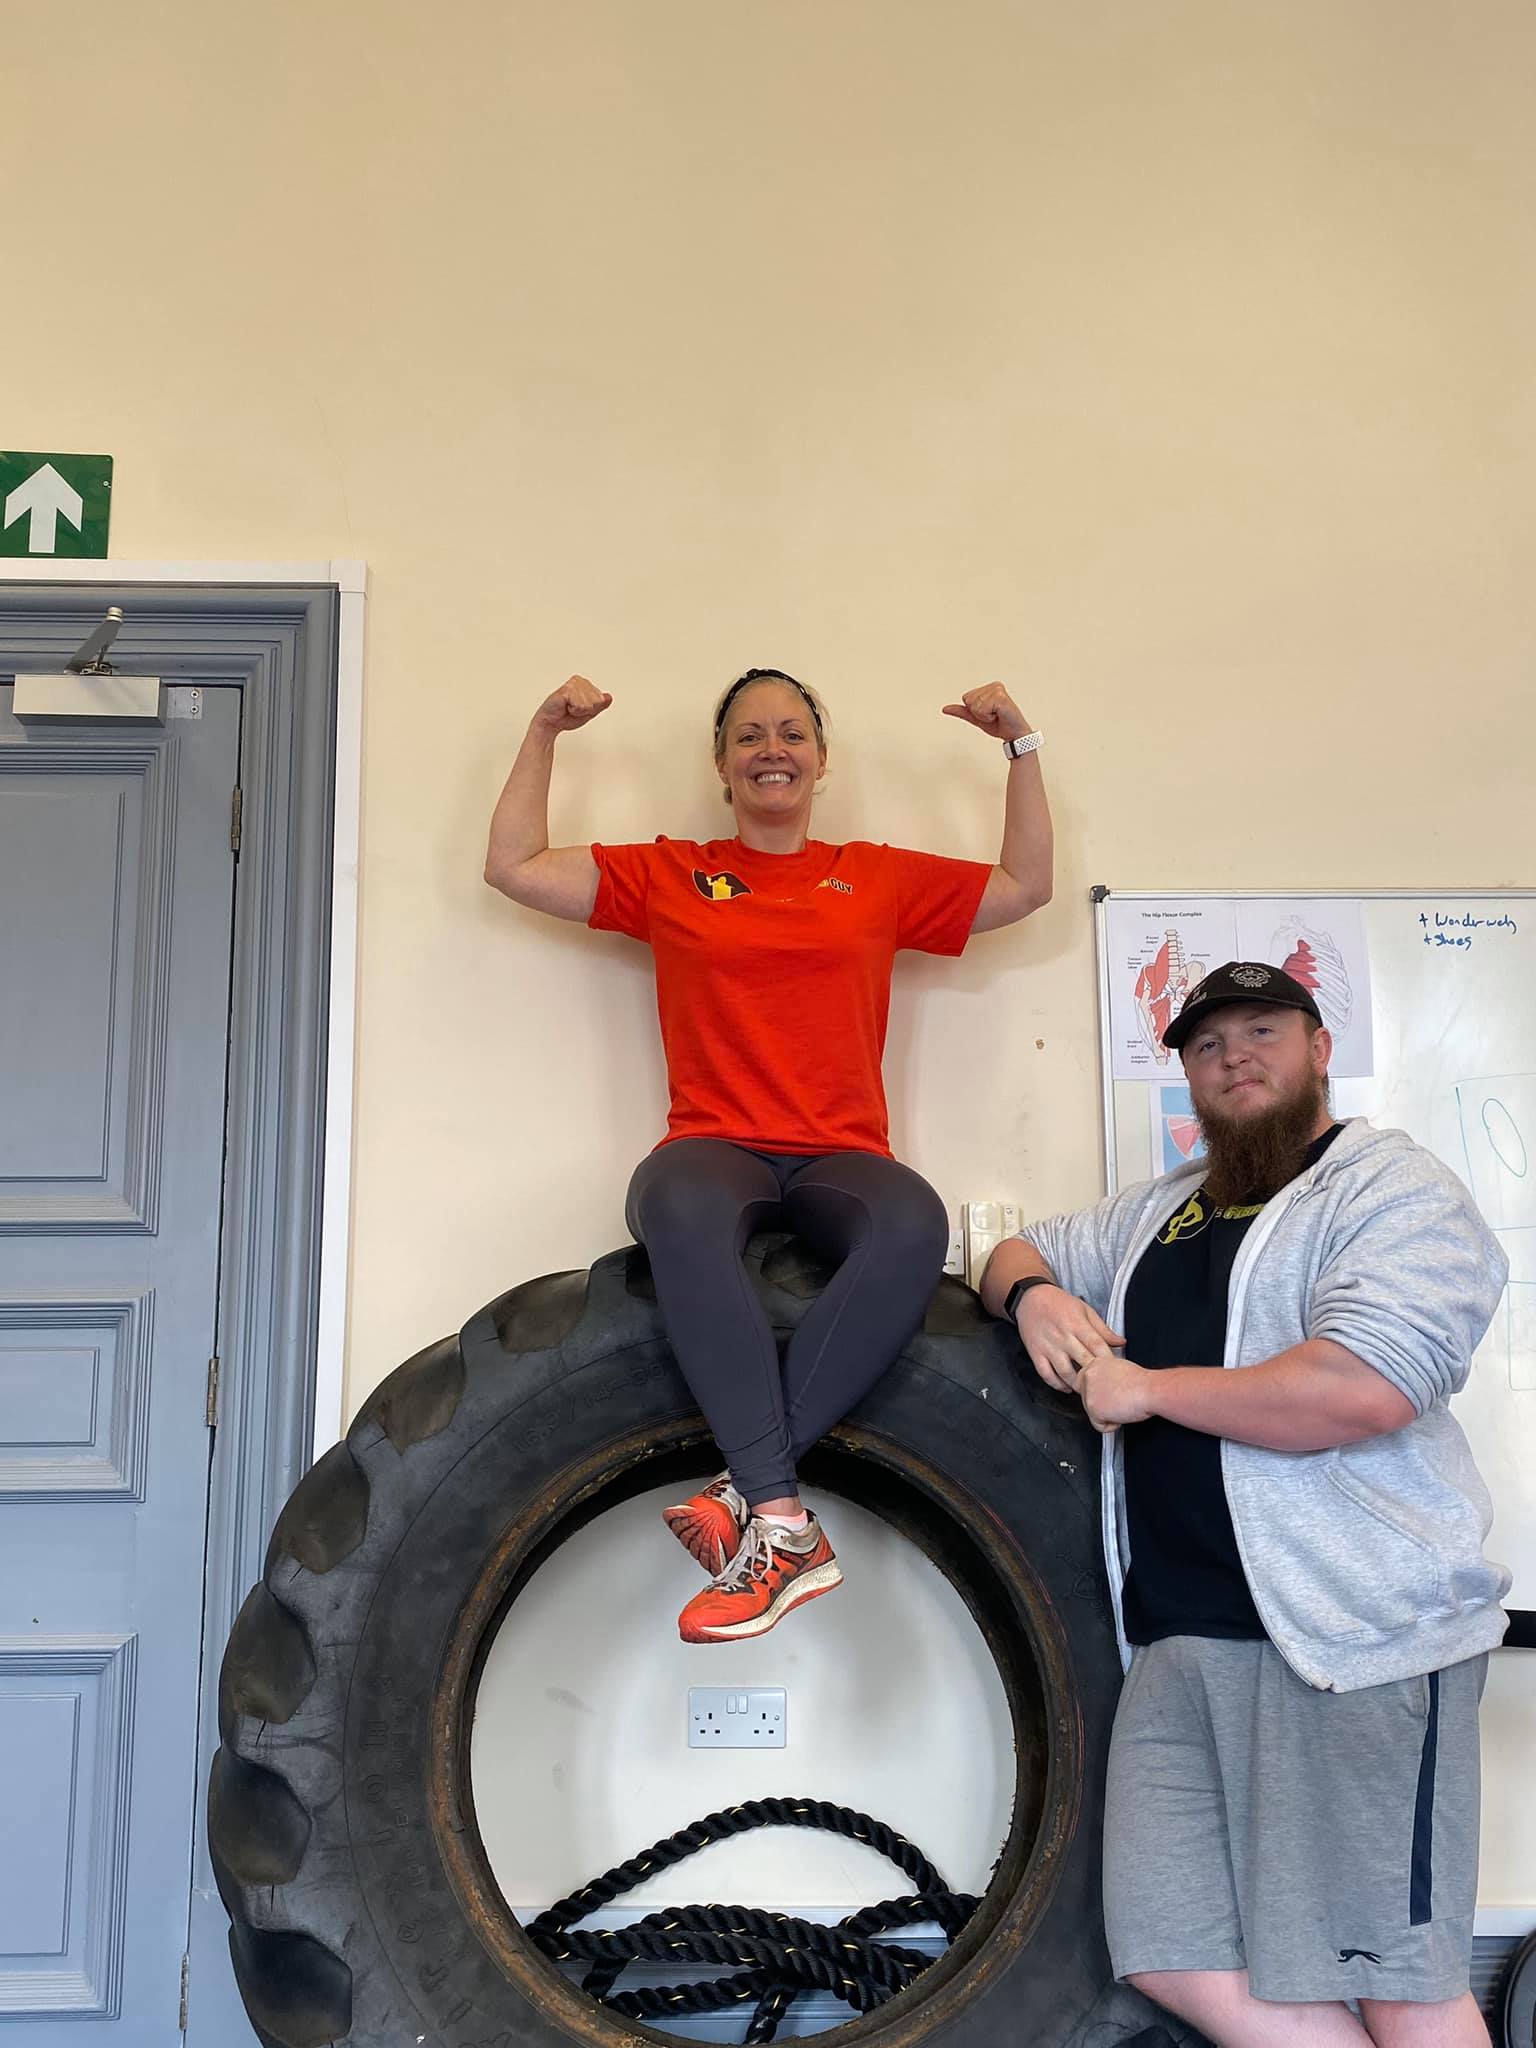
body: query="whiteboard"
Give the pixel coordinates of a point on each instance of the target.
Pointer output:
(1453, 1032)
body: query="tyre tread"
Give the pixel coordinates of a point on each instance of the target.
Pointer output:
(326, 1517)
(257, 1830)
(269, 1668)
(417, 1401)
(297, 1992)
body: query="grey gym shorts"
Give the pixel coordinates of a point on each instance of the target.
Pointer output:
(1326, 1842)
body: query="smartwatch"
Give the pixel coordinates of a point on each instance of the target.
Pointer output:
(1020, 1288)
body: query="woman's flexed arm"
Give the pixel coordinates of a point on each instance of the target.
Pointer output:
(1021, 879)
(519, 861)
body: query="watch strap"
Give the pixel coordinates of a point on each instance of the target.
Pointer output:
(1020, 1288)
(1026, 743)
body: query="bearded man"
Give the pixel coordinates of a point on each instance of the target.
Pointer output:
(1294, 1543)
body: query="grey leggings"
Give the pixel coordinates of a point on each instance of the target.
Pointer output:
(694, 1204)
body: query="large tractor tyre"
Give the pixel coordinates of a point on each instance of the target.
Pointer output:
(340, 1814)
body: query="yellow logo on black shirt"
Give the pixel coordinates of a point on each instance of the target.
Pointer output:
(1194, 1216)
(719, 888)
(1186, 1222)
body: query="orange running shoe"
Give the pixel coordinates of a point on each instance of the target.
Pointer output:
(710, 1526)
(774, 1570)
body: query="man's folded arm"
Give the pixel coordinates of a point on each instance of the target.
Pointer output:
(1313, 1397)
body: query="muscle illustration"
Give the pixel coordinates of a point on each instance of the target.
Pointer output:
(1161, 987)
(1315, 961)
(1185, 1133)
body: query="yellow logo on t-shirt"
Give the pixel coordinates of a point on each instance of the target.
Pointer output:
(1188, 1222)
(719, 888)
(1193, 1217)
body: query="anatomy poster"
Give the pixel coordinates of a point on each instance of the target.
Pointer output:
(1156, 955)
(1320, 940)
(1176, 1138)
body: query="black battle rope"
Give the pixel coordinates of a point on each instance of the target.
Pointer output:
(773, 1958)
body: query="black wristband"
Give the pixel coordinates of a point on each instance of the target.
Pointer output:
(1020, 1288)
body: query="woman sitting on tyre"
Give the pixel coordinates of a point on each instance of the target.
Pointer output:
(773, 955)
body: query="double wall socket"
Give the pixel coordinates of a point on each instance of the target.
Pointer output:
(723, 1717)
(986, 1224)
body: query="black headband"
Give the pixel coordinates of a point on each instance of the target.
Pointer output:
(765, 675)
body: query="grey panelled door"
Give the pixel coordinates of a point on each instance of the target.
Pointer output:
(116, 891)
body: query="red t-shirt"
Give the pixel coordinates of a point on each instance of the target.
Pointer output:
(773, 977)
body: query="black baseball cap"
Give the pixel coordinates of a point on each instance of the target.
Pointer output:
(1240, 981)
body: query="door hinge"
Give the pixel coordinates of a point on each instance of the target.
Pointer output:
(235, 801)
(186, 1971)
(211, 1410)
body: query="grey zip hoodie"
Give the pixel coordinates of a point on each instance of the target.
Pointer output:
(1365, 1562)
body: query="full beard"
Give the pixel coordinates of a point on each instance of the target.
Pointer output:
(1250, 1158)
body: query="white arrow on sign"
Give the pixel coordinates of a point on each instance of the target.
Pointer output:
(45, 494)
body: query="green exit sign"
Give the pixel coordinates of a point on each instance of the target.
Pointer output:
(53, 506)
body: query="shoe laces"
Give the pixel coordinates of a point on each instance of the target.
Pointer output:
(754, 1557)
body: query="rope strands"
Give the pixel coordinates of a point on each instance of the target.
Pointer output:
(773, 1957)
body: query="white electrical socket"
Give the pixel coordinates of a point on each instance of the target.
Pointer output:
(726, 1717)
(954, 1258)
(983, 1228)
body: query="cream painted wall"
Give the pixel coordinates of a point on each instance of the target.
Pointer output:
(1169, 358)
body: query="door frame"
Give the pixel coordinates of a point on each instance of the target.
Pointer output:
(349, 580)
(291, 635)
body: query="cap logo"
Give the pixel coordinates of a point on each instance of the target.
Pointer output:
(1250, 977)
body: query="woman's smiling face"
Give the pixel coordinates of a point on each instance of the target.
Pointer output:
(769, 755)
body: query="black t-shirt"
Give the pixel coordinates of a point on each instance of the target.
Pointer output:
(1186, 1578)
